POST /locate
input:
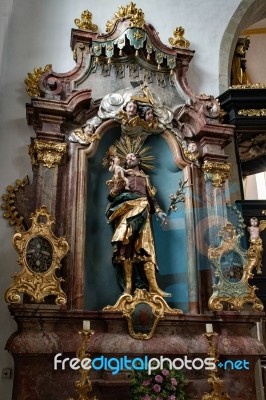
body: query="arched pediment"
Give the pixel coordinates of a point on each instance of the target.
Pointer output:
(128, 54)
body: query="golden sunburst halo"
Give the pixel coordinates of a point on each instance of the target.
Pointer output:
(125, 146)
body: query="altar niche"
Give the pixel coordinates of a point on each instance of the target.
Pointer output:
(101, 286)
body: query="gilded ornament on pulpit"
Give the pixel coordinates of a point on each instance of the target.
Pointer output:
(233, 268)
(40, 253)
(259, 112)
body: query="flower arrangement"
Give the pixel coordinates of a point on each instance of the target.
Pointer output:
(159, 385)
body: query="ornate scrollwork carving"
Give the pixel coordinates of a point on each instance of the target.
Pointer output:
(40, 253)
(51, 85)
(142, 306)
(216, 171)
(11, 213)
(32, 82)
(49, 153)
(85, 22)
(178, 40)
(136, 16)
(233, 268)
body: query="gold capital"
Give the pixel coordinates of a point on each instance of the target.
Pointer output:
(216, 171)
(49, 153)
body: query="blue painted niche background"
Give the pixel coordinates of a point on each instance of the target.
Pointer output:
(101, 288)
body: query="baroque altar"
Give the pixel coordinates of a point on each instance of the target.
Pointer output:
(77, 117)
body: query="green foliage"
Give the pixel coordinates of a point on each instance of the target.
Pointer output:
(159, 385)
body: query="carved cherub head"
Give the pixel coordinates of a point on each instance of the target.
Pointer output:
(254, 221)
(192, 147)
(131, 108)
(147, 114)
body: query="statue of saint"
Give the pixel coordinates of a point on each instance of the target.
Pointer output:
(238, 72)
(256, 242)
(129, 211)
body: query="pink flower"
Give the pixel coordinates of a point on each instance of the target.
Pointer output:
(165, 372)
(156, 388)
(158, 378)
(146, 382)
(146, 397)
(172, 397)
(173, 381)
